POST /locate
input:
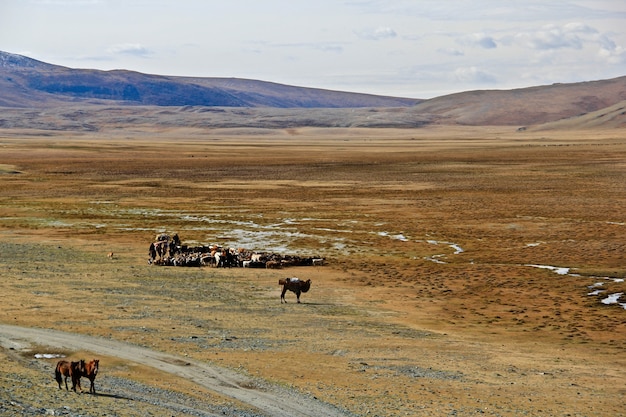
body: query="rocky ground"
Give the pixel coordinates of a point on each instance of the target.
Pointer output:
(254, 396)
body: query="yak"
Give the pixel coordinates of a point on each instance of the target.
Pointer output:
(294, 285)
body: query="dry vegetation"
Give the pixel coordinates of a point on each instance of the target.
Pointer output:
(427, 304)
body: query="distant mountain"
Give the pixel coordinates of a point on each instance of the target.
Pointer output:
(26, 82)
(54, 94)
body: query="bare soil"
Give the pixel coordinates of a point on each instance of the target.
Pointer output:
(440, 294)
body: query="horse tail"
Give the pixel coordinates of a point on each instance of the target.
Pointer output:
(58, 376)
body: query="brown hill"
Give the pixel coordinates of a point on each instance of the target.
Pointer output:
(25, 82)
(526, 106)
(54, 97)
(609, 117)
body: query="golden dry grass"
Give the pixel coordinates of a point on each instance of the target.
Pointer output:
(399, 321)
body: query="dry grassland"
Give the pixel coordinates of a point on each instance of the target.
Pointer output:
(428, 304)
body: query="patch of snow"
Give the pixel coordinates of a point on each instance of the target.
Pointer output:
(613, 299)
(435, 259)
(556, 269)
(49, 355)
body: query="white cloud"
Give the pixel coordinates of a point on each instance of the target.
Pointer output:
(318, 46)
(611, 52)
(570, 35)
(480, 40)
(473, 75)
(134, 49)
(450, 51)
(375, 34)
(615, 55)
(66, 2)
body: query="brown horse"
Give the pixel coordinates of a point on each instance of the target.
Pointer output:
(90, 371)
(72, 370)
(294, 285)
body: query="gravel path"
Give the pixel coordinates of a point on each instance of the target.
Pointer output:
(268, 399)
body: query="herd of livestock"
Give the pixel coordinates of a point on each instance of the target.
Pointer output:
(169, 251)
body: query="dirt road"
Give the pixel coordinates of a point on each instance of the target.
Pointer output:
(270, 400)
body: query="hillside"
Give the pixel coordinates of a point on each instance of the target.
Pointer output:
(525, 106)
(45, 96)
(609, 117)
(25, 82)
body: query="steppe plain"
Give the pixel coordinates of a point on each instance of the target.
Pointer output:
(459, 264)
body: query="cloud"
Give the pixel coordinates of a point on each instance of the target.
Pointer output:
(613, 54)
(66, 2)
(480, 40)
(610, 51)
(134, 49)
(318, 46)
(330, 48)
(375, 34)
(450, 51)
(474, 75)
(570, 35)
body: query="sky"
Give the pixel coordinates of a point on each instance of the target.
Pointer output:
(405, 48)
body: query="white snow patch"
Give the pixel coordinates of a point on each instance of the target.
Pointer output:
(49, 355)
(614, 299)
(556, 269)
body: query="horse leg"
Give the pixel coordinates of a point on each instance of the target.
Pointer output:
(298, 296)
(282, 295)
(92, 388)
(75, 383)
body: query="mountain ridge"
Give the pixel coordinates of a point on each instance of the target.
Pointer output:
(26, 83)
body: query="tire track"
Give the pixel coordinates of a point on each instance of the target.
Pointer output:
(270, 400)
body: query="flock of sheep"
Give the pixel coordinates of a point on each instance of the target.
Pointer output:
(168, 250)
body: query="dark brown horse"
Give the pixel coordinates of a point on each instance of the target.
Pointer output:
(72, 370)
(294, 285)
(90, 371)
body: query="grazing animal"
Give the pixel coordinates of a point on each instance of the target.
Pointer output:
(219, 259)
(110, 255)
(294, 285)
(152, 253)
(273, 265)
(224, 258)
(161, 248)
(317, 261)
(72, 370)
(90, 371)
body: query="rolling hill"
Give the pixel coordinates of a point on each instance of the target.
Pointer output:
(35, 94)
(25, 82)
(525, 106)
(608, 117)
